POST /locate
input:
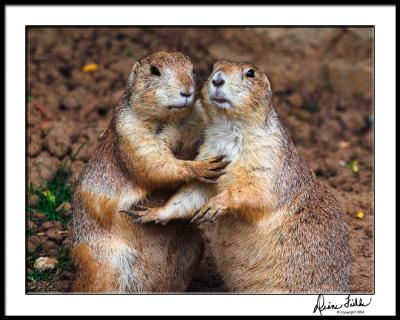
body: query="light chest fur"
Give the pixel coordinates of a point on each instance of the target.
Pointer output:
(254, 152)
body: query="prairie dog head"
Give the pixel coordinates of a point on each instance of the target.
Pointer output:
(238, 90)
(162, 83)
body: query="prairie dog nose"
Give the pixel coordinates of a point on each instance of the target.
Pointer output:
(187, 93)
(218, 79)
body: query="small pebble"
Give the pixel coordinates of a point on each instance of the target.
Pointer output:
(344, 144)
(40, 215)
(45, 263)
(32, 225)
(360, 215)
(54, 234)
(33, 200)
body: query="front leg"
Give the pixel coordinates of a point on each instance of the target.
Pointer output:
(213, 209)
(144, 215)
(182, 205)
(246, 200)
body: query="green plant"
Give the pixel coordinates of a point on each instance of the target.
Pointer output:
(129, 52)
(354, 166)
(53, 194)
(298, 116)
(64, 259)
(36, 275)
(310, 106)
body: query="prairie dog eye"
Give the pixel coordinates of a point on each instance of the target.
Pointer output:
(154, 71)
(250, 73)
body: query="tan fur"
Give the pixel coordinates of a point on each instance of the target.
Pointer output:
(277, 228)
(99, 207)
(94, 276)
(139, 153)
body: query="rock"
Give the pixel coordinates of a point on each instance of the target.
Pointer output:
(47, 225)
(83, 79)
(34, 144)
(349, 78)
(67, 206)
(64, 286)
(103, 85)
(62, 90)
(52, 102)
(67, 213)
(77, 167)
(33, 200)
(54, 234)
(69, 102)
(45, 263)
(90, 140)
(58, 139)
(116, 96)
(64, 51)
(67, 242)
(34, 114)
(74, 99)
(44, 166)
(51, 224)
(33, 243)
(49, 245)
(52, 252)
(66, 275)
(344, 144)
(57, 225)
(295, 99)
(32, 226)
(31, 247)
(35, 240)
(39, 215)
(353, 121)
(220, 51)
(122, 66)
(67, 209)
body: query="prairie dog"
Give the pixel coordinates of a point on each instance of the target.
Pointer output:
(154, 120)
(277, 228)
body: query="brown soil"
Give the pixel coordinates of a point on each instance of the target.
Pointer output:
(321, 77)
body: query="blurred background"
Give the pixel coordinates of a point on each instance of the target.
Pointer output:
(322, 80)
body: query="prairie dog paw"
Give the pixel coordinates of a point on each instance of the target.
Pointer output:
(211, 211)
(143, 215)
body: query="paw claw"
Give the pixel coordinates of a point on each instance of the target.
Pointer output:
(217, 159)
(132, 214)
(139, 208)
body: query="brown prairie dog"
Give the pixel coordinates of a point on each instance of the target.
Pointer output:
(277, 228)
(154, 120)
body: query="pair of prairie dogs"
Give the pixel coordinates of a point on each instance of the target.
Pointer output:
(276, 228)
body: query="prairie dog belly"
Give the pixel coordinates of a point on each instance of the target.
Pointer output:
(245, 253)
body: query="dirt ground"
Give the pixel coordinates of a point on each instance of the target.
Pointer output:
(323, 91)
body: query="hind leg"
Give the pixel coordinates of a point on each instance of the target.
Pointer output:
(108, 269)
(184, 256)
(165, 262)
(94, 276)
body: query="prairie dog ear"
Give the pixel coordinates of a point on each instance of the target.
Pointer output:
(266, 79)
(132, 74)
(268, 85)
(217, 64)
